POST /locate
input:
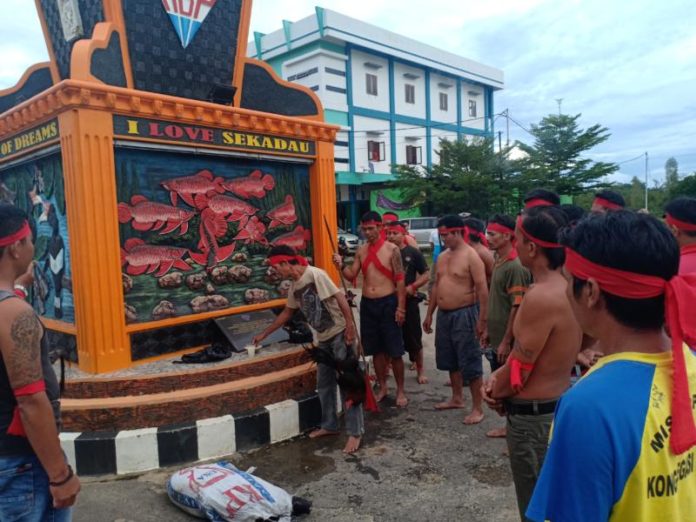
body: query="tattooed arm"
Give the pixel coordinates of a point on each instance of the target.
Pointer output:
(20, 344)
(397, 267)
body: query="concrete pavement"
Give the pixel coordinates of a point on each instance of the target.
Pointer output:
(416, 464)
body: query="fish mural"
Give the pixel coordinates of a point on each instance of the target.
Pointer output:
(229, 207)
(284, 214)
(140, 258)
(187, 187)
(253, 232)
(189, 218)
(212, 227)
(296, 239)
(144, 215)
(255, 185)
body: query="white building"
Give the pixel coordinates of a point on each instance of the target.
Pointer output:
(395, 98)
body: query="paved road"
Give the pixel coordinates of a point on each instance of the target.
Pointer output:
(416, 465)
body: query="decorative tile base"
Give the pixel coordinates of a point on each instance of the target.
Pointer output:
(136, 451)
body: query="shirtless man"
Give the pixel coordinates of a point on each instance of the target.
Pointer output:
(547, 342)
(460, 283)
(383, 303)
(477, 240)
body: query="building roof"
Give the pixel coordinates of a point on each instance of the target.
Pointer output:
(330, 26)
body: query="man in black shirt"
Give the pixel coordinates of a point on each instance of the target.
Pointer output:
(417, 275)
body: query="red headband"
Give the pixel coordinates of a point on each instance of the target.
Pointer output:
(681, 225)
(540, 242)
(500, 229)
(607, 204)
(537, 202)
(371, 223)
(396, 228)
(482, 237)
(447, 230)
(23, 232)
(680, 293)
(276, 260)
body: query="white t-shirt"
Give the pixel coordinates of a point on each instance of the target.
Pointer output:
(434, 237)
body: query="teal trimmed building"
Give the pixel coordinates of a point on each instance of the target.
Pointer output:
(395, 98)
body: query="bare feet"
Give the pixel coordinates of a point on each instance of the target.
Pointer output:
(352, 445)
(497, 433)
(474, 417)
(401, 400)
(321, 432)
(413, 366)
(422, 379)
(450, 405)
(381, 394)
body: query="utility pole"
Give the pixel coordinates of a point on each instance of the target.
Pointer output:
(646, 180)
(507, 127)
(500, 143)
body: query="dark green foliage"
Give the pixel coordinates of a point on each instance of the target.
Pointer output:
(471, 177)
(556, 159)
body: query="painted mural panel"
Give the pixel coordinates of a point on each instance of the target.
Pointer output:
(38, 188)
(391, 200)
(195, 230)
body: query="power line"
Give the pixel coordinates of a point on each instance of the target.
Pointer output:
(432, 125)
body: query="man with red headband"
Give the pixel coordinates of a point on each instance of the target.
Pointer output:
(327, 311)
(460, 295)
(36, 483)
(547, 341)
(681, 219)
(383, 303)
(417, 276)
(391, 217)
(509, 283)
(606, 201)
(478, 241)
(541, 198)
(622, 447)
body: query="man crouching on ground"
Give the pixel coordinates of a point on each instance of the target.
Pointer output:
(383, 303)
(327, 311)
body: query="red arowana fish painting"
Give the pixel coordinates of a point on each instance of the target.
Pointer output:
(212, 227)
(255, 184)
(148, 215)
(228, 207)
(187, 187)
(284, 214)
(253, 232)
(141, 258)
(296, 239)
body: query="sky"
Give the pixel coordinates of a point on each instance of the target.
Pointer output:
(627, 65)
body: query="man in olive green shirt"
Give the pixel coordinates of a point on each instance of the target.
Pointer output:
(509, 282)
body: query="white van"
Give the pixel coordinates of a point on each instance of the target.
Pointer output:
(420, 228)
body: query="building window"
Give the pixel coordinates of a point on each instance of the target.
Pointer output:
(413, 155)
(375, 150)
(443, 101)
(371, 84)
(410, 93)
(472, 108)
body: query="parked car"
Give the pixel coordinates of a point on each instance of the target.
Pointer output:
(420, 228)
(351, 241)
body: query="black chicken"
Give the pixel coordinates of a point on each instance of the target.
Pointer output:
(349, 375)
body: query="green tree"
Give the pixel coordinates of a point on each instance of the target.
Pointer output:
(671, 175)
(556, 159)
(686, 187)
(470, 177)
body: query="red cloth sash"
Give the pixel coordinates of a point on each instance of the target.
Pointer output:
(372, 259)
(680, 296)
(607, 204)
(276, 260)
(17, 236)
(540, 242)
(681, 225)
(16, 427)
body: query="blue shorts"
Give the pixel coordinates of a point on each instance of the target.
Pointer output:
(24, 493)
(378, 328)
(456, 344)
